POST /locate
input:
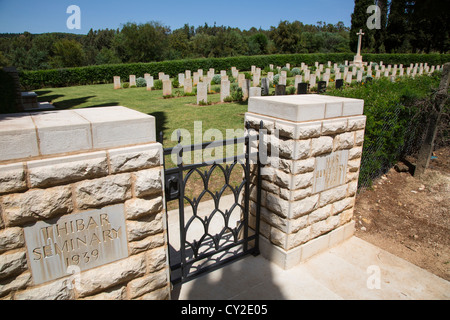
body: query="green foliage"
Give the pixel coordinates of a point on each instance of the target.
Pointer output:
(392, 113)
(67, 53)
(126, 85)
(236, 93)
(143, 42)
(405, 26)
(276, 79)
(105, 73)
(216, 79)
(290, 90)
(140, 82)
(296, 71)
(157, 85)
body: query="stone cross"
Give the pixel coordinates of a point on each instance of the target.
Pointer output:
(359, 34)
(358, 58)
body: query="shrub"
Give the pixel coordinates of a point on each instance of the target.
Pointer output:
(276, 79)
(395, 120)
(236, 93)
(296, 71)
(175, 83)
(126, 85)
(290, 90)
(216, 79)
(157, 84)
(140, 82)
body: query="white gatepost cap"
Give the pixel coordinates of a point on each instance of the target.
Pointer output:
(299, 108)
(32, 135)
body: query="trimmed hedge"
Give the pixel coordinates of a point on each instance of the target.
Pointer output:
(104, 73)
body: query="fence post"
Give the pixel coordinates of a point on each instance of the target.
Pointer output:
(426, 150)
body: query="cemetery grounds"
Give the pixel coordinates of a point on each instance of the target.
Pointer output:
(400, 214)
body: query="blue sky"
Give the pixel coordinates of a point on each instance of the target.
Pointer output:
(40, 16)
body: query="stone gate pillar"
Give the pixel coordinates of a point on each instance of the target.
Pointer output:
(310, 178)
(81, 206)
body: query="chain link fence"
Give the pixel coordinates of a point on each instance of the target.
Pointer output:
(378, 156)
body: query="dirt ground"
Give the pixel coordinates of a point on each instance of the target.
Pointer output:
(408, 217)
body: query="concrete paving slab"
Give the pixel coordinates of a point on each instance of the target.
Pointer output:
(354, 269)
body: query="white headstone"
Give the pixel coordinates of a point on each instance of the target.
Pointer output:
(167, 87)
(117, 84)
(181, 79)
(202, 92)
(132, 80)
(298, 79)
(359, 76)
(312, 80)
(349, 78)
(187, 85)
(234, 72)
(256, 78)
(149, 82)
(245, 88)
(241, 79)
(224, 89)
(196, 78)
(255, 92)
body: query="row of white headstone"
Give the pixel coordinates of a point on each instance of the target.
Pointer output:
(253, 88)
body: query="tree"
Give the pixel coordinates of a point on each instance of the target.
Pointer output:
(4, 62)
(179, 43)
(258, 44)
(429, 20)
(359, 21)
(107, 56)
(398, 32)
(287, 36)
(144, 42)
(67, 53)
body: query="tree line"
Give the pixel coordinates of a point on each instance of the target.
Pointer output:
(154, 41)
(405, 26)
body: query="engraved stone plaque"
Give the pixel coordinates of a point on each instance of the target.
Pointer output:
(77, 242)
(330, 171)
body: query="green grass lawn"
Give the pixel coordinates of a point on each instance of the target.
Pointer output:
(171, 114)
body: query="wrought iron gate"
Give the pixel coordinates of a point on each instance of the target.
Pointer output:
(208, 238)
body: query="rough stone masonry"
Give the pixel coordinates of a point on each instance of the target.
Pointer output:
(81, 206)
(309, 187)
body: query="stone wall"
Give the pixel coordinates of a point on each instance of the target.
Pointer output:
(120, 182)
(309, 188)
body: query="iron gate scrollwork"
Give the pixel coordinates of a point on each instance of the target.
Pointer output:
(212, 247)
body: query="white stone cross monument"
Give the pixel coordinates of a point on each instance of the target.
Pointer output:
(358, 58)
